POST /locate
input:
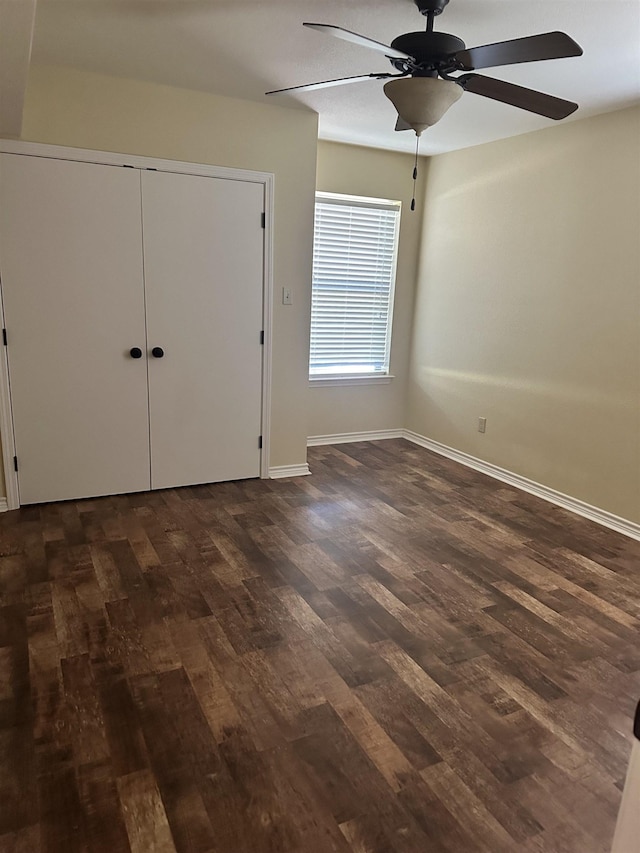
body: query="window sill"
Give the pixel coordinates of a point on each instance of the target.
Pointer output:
(323, 381)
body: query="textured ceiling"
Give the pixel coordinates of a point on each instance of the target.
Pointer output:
(241, 48)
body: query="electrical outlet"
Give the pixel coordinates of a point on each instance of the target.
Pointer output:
(286, 296)
(482, 424)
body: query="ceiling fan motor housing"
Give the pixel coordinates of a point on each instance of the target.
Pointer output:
(432, 51)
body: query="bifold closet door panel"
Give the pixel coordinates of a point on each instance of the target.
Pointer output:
(203, 251)
(72, 279)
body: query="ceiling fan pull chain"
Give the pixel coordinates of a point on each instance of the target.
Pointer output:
(415, 174)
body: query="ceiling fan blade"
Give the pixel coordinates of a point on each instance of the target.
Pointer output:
(530, 49)
(517, 96)
(355, 38)
(324, 84)
(402, 125)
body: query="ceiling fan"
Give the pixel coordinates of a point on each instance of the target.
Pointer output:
(423, 88)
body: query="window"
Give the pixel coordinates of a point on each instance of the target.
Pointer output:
(354, 268)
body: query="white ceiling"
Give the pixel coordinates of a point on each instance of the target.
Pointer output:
(241, 48)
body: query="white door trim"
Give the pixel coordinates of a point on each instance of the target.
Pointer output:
(267, 322)
(110, 158)
(6, 424)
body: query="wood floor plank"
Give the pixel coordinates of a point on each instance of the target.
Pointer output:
(102, 813)
(144, 814)
(394, 655)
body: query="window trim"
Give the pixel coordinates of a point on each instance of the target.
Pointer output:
(379, 377)
(351, 379)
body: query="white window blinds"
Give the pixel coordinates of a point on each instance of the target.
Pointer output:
(354, 265)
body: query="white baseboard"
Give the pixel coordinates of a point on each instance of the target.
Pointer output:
(281, 471)
(593, 513)
(3, 505)
(348, 437)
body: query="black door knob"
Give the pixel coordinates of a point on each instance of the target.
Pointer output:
(135, 352)
(157, 352)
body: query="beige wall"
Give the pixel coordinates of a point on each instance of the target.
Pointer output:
(528, 308)
(82, 110)
(354, 170)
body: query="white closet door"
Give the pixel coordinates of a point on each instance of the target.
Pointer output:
(203, 251)
(71, 265)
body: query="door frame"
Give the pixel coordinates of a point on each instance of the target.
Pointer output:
(109, 158)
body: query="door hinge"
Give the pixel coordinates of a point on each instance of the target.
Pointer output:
(263, 220)
(260, 442)
(15, 463)
(125, 166)
(261, 337)
(4, 337)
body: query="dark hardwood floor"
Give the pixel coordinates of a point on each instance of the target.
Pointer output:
(394, 655)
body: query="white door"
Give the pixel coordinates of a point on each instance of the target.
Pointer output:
(71, 267)
(203, 255)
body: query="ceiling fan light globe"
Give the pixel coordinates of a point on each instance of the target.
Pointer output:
(422, 101)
